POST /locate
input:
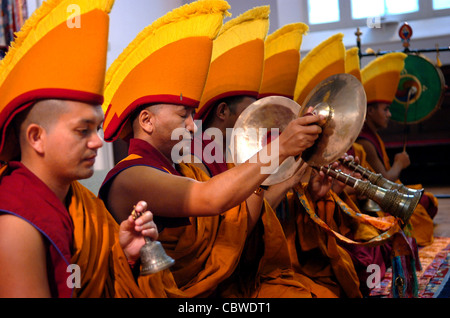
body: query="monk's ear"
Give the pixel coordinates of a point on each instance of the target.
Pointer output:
(147, 121)
(222, 111)
(35, 137)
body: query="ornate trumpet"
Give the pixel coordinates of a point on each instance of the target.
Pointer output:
(398, 204)
(378, 179)
(341, 100)
(153, 255)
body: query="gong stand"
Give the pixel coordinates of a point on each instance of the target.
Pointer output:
(422, 85)
(405, 33)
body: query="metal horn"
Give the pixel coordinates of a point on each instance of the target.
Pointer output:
(153, 255)
(398, 204)
(378, 179)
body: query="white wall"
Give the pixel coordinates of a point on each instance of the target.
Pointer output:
(429, 29)
(129, 17)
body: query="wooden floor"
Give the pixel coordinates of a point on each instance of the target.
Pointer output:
(442, 218)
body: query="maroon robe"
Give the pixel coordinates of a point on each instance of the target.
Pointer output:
(207, 158)
(24, 195)
(150, 157)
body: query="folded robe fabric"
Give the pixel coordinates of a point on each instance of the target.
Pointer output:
(212, 253)
(421, 220)
(85, 234)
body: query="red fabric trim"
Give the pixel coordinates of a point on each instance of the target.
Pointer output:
(40, 207)
(28, 99)
(379, 101)
(116, 124)
(274, 94)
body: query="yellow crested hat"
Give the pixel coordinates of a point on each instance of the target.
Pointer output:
(323, 61)
(352, 63)
(59, 53)
(167, 62)
(238, 59)
(282, 60)
(381, 77)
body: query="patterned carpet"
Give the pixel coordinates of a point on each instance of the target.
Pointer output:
(433, 279)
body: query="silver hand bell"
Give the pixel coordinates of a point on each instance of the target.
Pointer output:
(153, 255)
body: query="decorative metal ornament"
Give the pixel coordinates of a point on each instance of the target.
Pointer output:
(153, 255)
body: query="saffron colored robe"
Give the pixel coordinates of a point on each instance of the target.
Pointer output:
(215, 256)
(83, 234)
(312, 251)
(421, 221)
(335, 264)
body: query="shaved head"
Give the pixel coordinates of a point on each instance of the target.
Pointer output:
(46, 112)
(43, 113)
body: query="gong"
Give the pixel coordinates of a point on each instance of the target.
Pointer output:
(429, 84)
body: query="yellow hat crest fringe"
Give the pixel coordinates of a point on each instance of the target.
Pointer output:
(49, 15)
(54, 57)
(326, 59)
(288, 37)
(282, 60)
(381, 76)
(352, 63)
(251, 20)
(237, 59)
(199, 19)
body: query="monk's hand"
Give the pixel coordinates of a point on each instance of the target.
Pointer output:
(338, 186)
(300, 134)
(319, 184)
(133, 230)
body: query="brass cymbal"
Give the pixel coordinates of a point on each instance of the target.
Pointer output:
(254, 125)
(342, 99)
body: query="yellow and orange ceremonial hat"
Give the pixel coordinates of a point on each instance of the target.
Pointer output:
(167, 62)
(282, 60)
(59, 53)
(352, 63)
(381, 77)
(238, 59)
(323, 61)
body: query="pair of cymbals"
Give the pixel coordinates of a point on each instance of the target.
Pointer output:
(340, 98)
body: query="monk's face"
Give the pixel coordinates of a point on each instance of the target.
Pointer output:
(379, 114)
(237, 109)
(73, 140)
(168, 122)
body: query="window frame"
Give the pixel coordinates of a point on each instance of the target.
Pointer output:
(426, 11)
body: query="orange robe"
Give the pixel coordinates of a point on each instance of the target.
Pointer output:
(227, 260)
(421, 223)
(105, 271)
(84, 234)
(214, 256)
(312, 251)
